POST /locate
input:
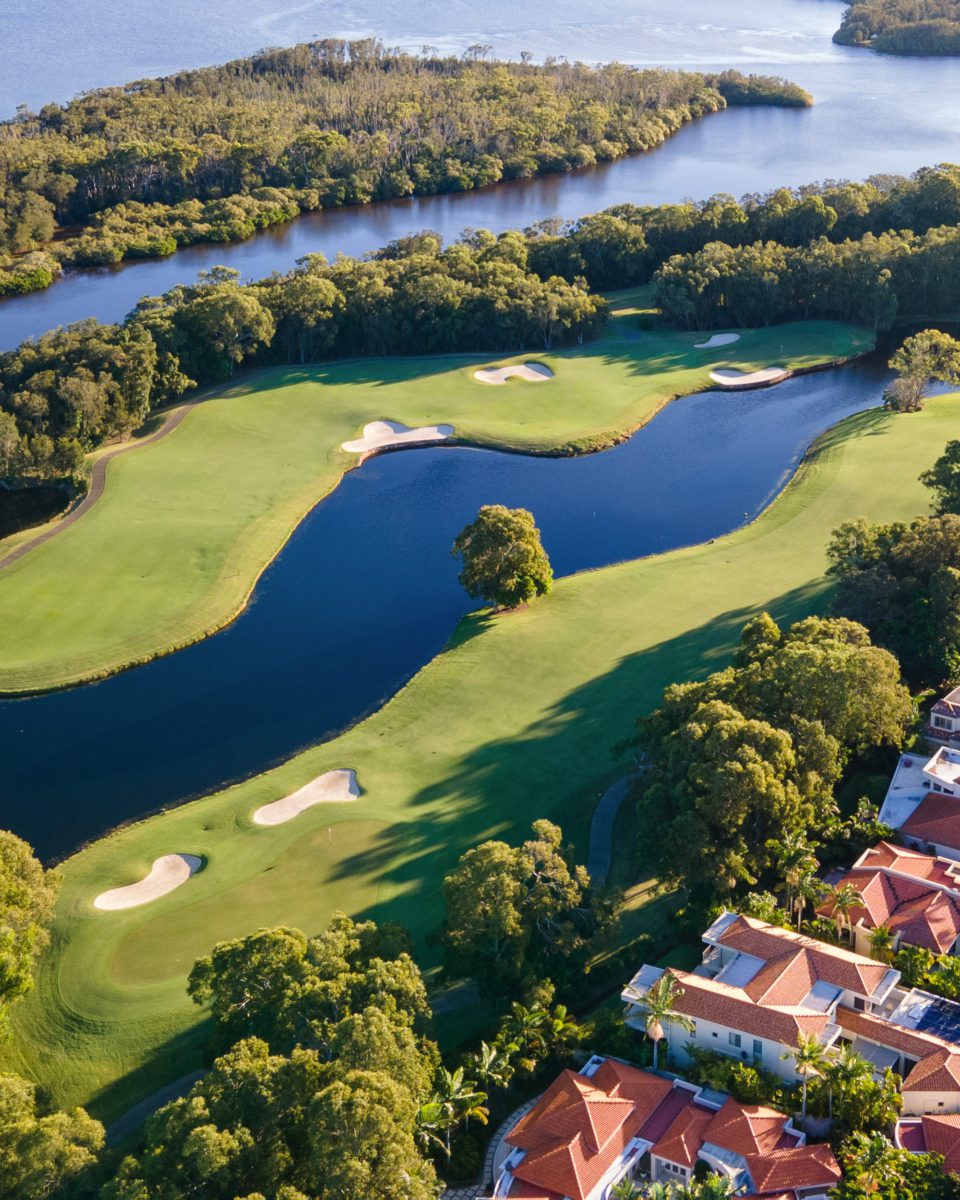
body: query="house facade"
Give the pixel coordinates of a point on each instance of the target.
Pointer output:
(612, 1121)
(758, 988)
(943, 724)
(923, 802)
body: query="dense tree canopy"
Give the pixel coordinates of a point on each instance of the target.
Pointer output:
(736, 760)
(903, 582)
(943, 479)
(43, 1154)
(928, 27)
(27, 896)
(214, 155)
(504, 561)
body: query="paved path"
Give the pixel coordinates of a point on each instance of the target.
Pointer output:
(601, 830)
(98, 477)
(134, 1118)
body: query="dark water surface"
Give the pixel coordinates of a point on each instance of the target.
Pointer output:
(873, 113)
(366, 592)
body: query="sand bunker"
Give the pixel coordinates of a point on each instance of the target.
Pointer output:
(166, 874)
(729, 378)
(718, 339)
(335, 785)
(378, 434)
(532, 372)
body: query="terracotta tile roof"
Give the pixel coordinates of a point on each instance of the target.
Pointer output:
(786, 1170)
(938, 1071)
(581, 1125)
(922, 915)
(708, 1000)
(815, 959)
(886, 1033)
(749, 1129)
(936, 819)
(682, 1141)
(907, 861)
(942, 1136)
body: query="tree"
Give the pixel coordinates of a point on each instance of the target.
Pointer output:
(943, 479)
(922, 359)
(873, 1169)
(914, 963)
(513, 912)
(659, 1011)
(456, 1100)
(503, 559)
(809, 1059)
(289, 990)
(842, 899)
(27, 897)
(795, 861)
(881, 944)
(43, 1155)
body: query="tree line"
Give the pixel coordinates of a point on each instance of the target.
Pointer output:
(921, 27)
(66, 392)
(214, 155)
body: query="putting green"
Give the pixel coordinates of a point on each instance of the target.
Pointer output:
(186, 525)
(513, 721)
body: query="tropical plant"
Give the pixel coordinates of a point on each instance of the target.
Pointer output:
(493, 1065)
(881, 944)
(795, 861)
(456, 1100)
(659, 1004)
(809, 1059)
(842, 899)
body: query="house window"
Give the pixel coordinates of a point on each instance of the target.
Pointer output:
(859, 1004)
(757, 1050)
(735, 1039)
(942, 723)
(714, 1034)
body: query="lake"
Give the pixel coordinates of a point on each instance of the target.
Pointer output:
(366, 592)
(873, 114)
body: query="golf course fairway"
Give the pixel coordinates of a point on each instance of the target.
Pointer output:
(185, 526)
(513, 721)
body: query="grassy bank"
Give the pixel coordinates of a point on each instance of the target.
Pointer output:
(513, 721)
(172, 550)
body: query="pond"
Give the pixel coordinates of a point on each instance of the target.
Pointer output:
(366, 592)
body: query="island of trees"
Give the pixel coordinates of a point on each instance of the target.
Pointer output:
(214, 155)
(920, 27)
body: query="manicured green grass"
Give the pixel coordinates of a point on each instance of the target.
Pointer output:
(173, 548)
(513, 721)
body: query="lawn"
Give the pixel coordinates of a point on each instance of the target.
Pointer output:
(186, 525)
(513, 721)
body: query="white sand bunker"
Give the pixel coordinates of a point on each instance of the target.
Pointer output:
(730, 378)
(166, 874)
(335, 785)
(378, 434)
(718, 339)
(532, 372)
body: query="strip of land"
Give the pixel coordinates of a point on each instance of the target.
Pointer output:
(173, 547)
(444, 765)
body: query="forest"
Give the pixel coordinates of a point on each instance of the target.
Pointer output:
(215, 155)
(920, 27)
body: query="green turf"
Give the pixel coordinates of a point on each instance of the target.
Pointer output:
(185, 526)
(513, 721)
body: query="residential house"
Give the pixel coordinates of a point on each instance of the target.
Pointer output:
(943, 724)
(932, 1135)
(914, 895)
(923, 802)
(612, 1121)
(758, 989)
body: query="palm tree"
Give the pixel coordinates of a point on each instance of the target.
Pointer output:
(659, 1002)
(625, 1189)
(809, 1059)
(843, 899)
(809, 889)
(795, 859)
(845, 1073)
(881, 944)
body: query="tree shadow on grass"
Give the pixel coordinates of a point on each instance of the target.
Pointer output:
(557, 767)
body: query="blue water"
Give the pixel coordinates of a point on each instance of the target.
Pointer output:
(366, 592)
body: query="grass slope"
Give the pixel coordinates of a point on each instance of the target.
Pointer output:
(511, 722)
(172, 550)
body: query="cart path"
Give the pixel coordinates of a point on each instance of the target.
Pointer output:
(98, 476)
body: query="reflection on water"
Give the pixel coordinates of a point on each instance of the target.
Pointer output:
(366, 592)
